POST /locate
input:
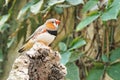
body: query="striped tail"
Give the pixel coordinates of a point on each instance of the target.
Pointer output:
(21, 50)
(26, 46)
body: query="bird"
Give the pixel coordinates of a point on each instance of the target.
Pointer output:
(45, 34)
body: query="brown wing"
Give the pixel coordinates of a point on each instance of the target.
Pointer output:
(37, 31)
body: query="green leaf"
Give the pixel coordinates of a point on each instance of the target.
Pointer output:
(114, 55)
(3, 19)
(77, 43)
(36, 7)
(65, 57)
(72, 72)
(86, 21)
(63, 5)
(115, 2)
(53, 2)
(89, 5)
(111, 13)
(1, 55)
(95, 74)
(24, 9)
(62, 46)
(75, 2)
(74, 56)
(4, 27)
(59, 10)
(104, 58)
(114, 71)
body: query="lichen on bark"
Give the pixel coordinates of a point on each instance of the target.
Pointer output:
(39, 63)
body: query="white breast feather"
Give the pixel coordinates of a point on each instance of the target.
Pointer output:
(46, 37)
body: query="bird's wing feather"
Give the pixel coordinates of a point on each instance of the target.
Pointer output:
(37, 31)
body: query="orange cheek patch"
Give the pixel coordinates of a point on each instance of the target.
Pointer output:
(50, 25)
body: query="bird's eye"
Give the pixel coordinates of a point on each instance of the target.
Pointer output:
(52, 21)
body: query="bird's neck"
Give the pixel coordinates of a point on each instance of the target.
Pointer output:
(52, 32)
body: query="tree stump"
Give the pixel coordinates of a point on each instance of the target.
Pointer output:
(39, 63)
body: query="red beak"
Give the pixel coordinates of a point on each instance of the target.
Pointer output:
(57, 22)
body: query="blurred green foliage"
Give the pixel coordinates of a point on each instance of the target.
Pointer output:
(107, 64)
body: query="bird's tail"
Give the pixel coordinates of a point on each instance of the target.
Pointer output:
(26, 46)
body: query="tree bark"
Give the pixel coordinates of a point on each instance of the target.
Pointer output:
(39, 63)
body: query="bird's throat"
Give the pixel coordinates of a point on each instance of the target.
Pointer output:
(52, 32)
